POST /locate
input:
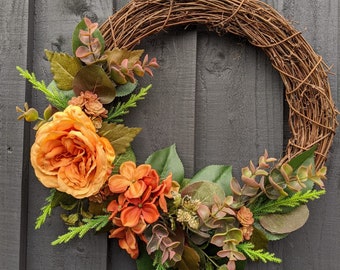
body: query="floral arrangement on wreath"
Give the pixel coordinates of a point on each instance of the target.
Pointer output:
(82, 153)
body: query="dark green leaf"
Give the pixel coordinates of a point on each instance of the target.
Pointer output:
(76, 41)
(306, 158)
(259, 239)
(125, 89)
(268, 235)
(93, 78)
(219, 174)
(166, 161)
(144, 261)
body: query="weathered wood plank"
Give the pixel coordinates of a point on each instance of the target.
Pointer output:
(239, 103)
(167, 115)
(53, 27)
(316, 245)
(13, 52)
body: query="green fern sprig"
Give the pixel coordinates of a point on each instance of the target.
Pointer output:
(123, 108)
(56, 98)
(279, 205)
(96, 223)
(46, 210)
(259, 254)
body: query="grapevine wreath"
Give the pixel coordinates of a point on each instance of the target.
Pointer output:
(82, 150)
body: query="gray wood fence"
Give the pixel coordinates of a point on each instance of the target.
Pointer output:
(217, 98)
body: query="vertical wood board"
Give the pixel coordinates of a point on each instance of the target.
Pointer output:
(13, 52)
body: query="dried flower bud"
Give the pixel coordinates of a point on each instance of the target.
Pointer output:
(29, 114)
(245, 216)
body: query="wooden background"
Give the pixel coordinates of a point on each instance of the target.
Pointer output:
(217, 98)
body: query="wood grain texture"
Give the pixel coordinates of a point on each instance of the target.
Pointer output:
(13, 52)
(54, 22)
(217, 98)
(167, 115)
(316, 245)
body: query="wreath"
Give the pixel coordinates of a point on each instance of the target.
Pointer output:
(82, 150)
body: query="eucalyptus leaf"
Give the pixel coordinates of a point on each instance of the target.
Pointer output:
(205, 191)
(116, 56)
(125, 89)
(64, 68)
(76, 41)
(119, 136)
(268, 235)
(219, 174)
(93, 78)
(285, 223)
(166, 161)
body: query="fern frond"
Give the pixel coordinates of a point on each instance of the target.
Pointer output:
(123, 108)
(259, 254)
(55, 97)
(46, 210)
(279, 205)
(96, 223)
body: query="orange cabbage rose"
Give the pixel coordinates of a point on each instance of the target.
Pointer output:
(68, 154)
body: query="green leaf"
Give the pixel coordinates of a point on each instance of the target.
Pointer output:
(71, 219)
(144, 261)
(119, 135)
(305, 158)
(205, 191)
(76, 41)
(93, 78)
(64, 68)
(285, 223)
(219, 174)
(190, 260)
(129, 155)
(259, 239)
(268, 235)
(125, 89)
(166, 161)
(54, 88)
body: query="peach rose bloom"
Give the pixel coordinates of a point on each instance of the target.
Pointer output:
(68, 154)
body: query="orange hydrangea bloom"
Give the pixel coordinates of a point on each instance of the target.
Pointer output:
(130, 179)
(127, 236)
(140, 208)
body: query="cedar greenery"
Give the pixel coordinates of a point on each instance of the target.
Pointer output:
(46, 210)
(55, 97)
(96, 223)
(122, 108)
(259, 254)
(279, 205)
